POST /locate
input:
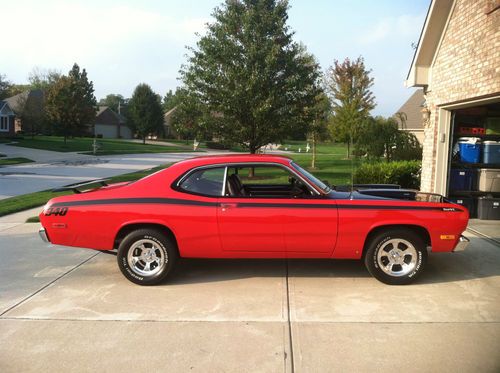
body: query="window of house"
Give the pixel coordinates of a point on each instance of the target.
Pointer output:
(4, 123)
(207, 182)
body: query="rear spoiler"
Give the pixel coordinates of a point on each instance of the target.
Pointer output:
(85, 185)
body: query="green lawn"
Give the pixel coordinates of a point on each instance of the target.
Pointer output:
(31, 200)
(84, 145)
(335, 170)
(11, 161)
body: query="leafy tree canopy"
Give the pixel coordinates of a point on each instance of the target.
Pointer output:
(5, 87)
(171, 99)
(71, 104)
(253, 82)
(43, 78)
(145, 113)
(348, 85)
(113, 101)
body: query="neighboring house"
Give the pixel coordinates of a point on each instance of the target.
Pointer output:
(167, 124)
(412, 110)
(457, 63)
(7, 118)
(109, 124)
(28, 106)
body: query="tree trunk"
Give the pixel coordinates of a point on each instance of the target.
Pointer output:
(313, 162)
(144, 140)
(348, 149)
(251, 171)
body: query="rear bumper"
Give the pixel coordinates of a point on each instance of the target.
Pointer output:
(462, 244)
(43, 235)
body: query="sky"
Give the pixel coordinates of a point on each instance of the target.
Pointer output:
(127, 42)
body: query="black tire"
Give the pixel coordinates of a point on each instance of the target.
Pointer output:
(396, 256)
(146, 256)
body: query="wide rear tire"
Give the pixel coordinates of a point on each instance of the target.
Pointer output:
(146, 256)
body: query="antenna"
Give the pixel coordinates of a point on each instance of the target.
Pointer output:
(352, 164)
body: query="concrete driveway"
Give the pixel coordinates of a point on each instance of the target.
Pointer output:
(55, 169)
(67, 309)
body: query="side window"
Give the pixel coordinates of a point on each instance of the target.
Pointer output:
(208, 182)
(264, 181)
(271, 175)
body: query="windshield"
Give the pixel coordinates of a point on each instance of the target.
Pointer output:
(313, 179)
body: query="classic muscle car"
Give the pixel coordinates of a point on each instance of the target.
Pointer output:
(253, 206)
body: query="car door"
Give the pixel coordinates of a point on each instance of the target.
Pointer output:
(270, 216)
(249, 223)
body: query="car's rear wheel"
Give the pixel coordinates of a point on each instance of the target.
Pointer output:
(146, 256)
(396, 256)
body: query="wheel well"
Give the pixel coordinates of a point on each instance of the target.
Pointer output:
(420, 231)
(122, 233)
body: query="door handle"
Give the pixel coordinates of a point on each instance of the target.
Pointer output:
(225, 206)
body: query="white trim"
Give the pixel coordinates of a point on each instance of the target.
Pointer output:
(445, 29)
(442, 151)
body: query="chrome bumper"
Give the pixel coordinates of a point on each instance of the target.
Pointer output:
(43, 235)
(463, 242)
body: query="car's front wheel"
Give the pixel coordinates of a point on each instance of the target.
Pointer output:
(396, 256)
(146, 256)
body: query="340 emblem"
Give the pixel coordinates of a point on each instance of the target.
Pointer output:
(58, 211)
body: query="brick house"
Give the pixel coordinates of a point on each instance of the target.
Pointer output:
(7, 118)
(457, 63)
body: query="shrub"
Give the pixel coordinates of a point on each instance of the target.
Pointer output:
(407, 147)
(404, 173)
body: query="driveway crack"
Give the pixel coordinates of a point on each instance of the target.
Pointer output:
(47, 285)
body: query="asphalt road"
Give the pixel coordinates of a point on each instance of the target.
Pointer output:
(68, 309)
(55, 169)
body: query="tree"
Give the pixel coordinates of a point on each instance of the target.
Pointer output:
(5, 87)
(187, 119)
(349, 86)
(380, 137)
(145, 114)
(402, 118)
(172, 99)
(71, 103)
(30, 109)
(249, 74)
(318, 130)
(43, 78)
(115, 102)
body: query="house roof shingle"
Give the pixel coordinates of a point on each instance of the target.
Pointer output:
(413, 110)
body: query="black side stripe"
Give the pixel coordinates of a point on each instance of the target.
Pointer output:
(123, 201)
(185, 202)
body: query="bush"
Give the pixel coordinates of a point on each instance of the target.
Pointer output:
(404, 173)
(217, 145)
(407, 147)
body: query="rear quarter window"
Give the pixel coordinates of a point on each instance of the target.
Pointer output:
(207, 182)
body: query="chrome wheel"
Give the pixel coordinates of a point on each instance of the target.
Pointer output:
(397, 257)
(146, 258)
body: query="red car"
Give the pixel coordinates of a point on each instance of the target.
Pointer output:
(253, 206)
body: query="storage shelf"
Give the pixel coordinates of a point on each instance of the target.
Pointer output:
(472, 193)
(482, 137)
(475, 165)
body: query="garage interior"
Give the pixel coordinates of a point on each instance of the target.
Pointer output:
(474, 160)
